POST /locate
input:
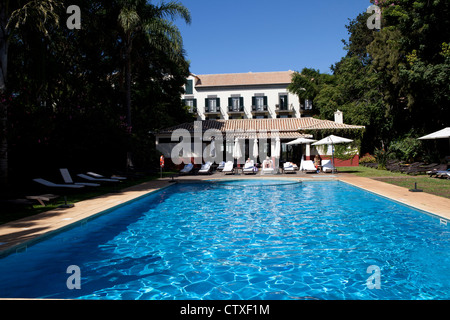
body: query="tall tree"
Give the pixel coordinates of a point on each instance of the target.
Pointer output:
(14, 14)
(155, 22)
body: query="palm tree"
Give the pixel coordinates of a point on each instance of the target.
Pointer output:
(155, 22)
(14, 14)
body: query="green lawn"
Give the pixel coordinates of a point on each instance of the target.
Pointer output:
(439, 187)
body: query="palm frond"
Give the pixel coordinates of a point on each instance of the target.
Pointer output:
(38, 12)
(173, 10)
(164, 36)
(129, 19)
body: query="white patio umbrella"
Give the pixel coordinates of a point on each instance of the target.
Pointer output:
(212, 150)
(255, 150)
(332, 140)
(237, 154)
(441, 134)
(277, 149)
(301, 141)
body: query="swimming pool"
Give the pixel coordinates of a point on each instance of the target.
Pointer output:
(243, 240)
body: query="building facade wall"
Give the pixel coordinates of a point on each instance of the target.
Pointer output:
(248, 94)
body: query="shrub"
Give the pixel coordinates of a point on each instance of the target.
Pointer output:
(381, 156)
(367, 158)
(406, 149)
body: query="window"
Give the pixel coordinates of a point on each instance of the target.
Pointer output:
(191, 103)
(283, 102)
(236, 104)
(308, 104)
(212, 105)
(189, 87)
(259, 103)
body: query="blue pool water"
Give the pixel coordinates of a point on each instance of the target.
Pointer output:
(310, 240)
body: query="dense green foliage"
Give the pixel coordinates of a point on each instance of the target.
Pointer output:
(395, 81)
(68, 100)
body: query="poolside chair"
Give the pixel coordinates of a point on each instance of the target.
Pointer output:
(206, 168)
(56, 185)
(327, 166)
(308, 166)
(228, 168)
(437, 170)
(443, 174)
(267, 167)
(288, 167)
(68, 179)
(85, 176)
(249, 167)
(99, 176)
(221, 166)
(43, 197)
(187, 168)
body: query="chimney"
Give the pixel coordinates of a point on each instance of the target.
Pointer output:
(338, 117)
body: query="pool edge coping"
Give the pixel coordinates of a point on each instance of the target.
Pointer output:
(55, 228)
(17, 246)
(387, 194)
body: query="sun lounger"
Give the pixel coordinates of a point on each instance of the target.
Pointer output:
(68, 179)
(187, 168)
(56, 185)
(43, 197)
(249, 167)
(221, 166)
(267, 167)
(228, 168)
(308, 166)
(437, 169)
(327, 166)
(99, 176)
(444, 175)
(85, 176)
(206, 168)
(288, 167)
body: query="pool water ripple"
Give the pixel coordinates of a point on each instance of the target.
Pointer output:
(224, 241)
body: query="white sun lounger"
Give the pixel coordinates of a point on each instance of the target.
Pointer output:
(327, 166)
(228, 168)
(267, 167)
(221, 166)
(206, 168)
(288, 167)
(56, 185)
(187, 168)
(99, 176)
(85, 176)
(249, 167)
(308, 166)
(68, 179)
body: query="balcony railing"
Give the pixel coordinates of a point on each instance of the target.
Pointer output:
(259, 109)
(284, 108)
(209, 109)
(235, 109)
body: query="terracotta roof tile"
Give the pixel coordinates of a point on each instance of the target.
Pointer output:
(287, 127)
(237, 79)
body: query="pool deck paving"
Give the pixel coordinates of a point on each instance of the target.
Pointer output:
(16, 235)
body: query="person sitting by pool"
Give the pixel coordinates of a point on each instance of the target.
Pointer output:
(267, 163)
(316, 161)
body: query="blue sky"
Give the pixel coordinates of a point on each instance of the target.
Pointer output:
(266, 35)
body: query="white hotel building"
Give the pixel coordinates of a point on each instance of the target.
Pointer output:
(247, 106)
(242, 96)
